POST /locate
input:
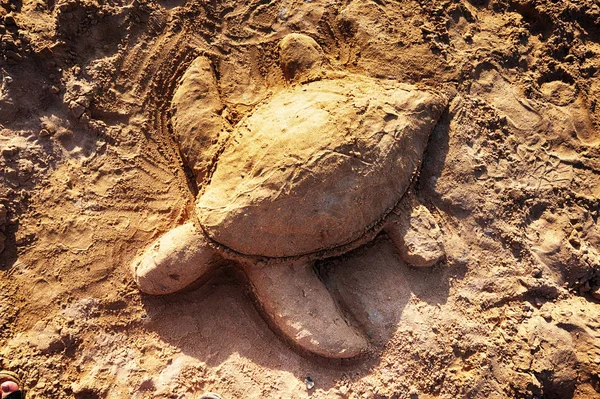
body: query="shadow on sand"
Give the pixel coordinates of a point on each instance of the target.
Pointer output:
(218, 321)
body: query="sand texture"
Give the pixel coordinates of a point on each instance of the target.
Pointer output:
(122, 120)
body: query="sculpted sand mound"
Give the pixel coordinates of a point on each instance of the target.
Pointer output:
(317, 165)
(313, 171)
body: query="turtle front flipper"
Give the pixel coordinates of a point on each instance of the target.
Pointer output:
(415, 233)
(297, 304)
(174, 261)
(199, 128)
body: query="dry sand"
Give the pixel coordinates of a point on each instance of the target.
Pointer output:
(90, 174)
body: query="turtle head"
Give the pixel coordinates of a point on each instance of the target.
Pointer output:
(301, 58)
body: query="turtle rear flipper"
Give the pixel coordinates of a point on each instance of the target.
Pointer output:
(174, 261)
(297, 304)
(415, 233)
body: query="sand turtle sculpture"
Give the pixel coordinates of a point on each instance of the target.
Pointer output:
(316, 170)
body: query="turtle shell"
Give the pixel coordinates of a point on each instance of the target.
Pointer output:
(316, 166)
